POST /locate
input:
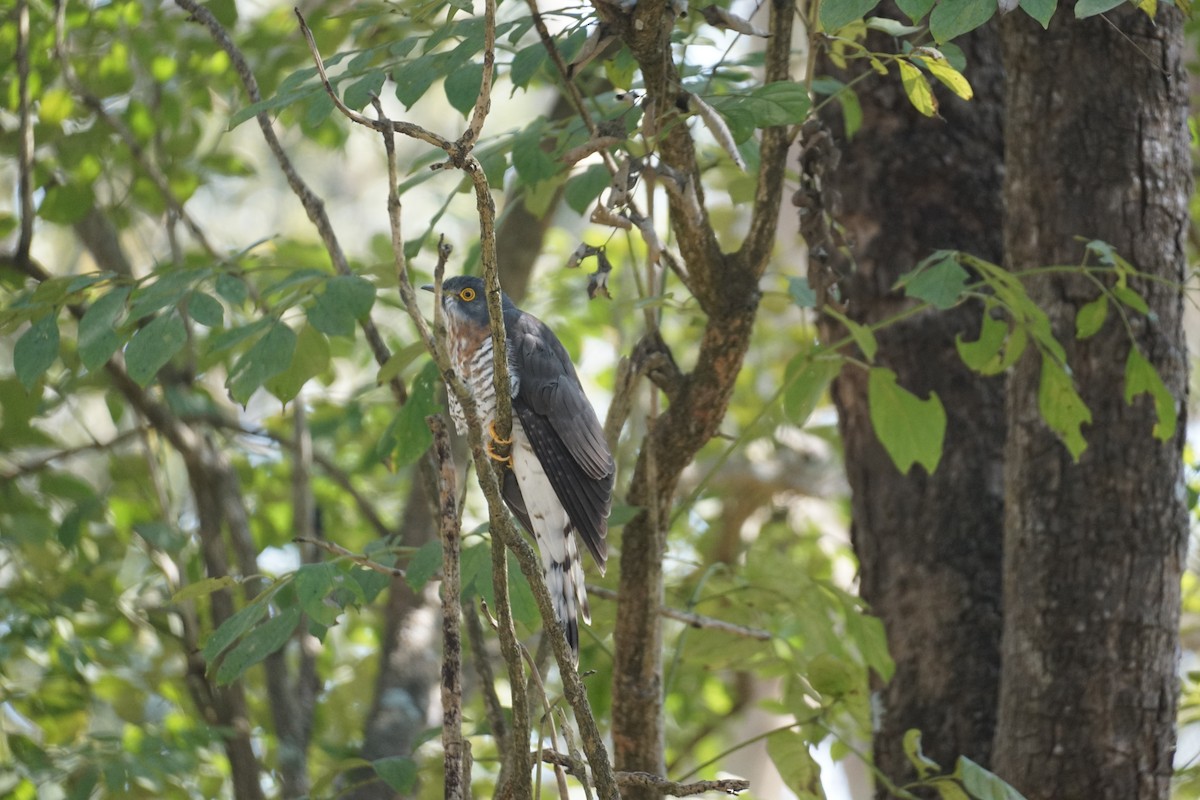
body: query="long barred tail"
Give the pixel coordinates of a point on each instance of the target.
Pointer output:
(564, 579)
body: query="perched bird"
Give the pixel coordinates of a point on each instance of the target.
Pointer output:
(560, 476)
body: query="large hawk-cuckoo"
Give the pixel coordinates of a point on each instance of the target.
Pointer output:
(561, 472)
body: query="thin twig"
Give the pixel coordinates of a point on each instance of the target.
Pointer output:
(362, 561)
(663, 785)
(25, 142)
(38, 464)
(692, 619)
(483, 103)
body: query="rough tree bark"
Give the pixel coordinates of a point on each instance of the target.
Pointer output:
(929, 546)
(1097, 147)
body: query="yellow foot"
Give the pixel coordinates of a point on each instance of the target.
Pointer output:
(494, 439)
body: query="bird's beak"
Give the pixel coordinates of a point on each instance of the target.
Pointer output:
(428, 287)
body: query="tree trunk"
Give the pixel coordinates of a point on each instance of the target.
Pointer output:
(1097, 147)
(929, 545)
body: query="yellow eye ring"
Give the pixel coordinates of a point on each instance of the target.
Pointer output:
(467, 294)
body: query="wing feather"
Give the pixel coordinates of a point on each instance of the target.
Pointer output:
(562, 428)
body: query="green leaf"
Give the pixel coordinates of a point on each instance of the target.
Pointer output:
(867, 633)
(398, 772)
(1131, 298)
(73, 523)
(852, 114)
(951, 18)
(621, 514)
(409, 434)
(269, 356)
(532, 163)
(801, 293)
(805, 380)
(910, 429)
(476, 573)
(167, 290)
(203, 588)
(837, 14)
(526, 63)
(520, 597)
(923, 764)
(983, 784)
(988, 354)
(1090, 317)
(948, 789)
(1062, 407)
(66, 203)
(346, 299)
(153, 346)
(863, 336)
(232, 288)
(424, 564)
(414, 77)
(205, 309)
(941, 284)
(916, 87)
(583, 189)
(258, 644)
(1041, 10)
(462, 87)
(780, 103)
(892, 27)
(1142, 378)
(310, 360)
(232, 629)
(915, 10)
(1090, 8)
(278, 102)
(36, 350)
(313, 584)
(228, 339)
(832, 676)
(359, 93)
(800, 772)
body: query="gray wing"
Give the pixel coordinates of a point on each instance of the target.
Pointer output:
(562, 428)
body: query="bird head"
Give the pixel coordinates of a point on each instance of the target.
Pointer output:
(463, 299)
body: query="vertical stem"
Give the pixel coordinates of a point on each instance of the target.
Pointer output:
(452, 738)
(25, 139)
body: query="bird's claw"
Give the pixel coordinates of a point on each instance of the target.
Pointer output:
(493, 439)
(496, 437)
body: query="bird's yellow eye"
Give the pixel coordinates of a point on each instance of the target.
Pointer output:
(467, 294)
